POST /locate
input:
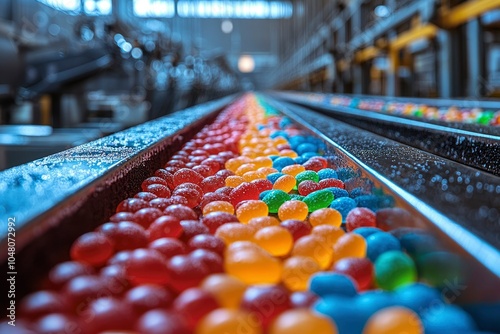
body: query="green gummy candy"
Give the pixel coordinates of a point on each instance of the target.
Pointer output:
(274, 199)
(394, 269)
(307, 175)
(319, 199)
(296, 197)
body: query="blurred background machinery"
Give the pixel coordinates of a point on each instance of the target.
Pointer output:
(72, 71)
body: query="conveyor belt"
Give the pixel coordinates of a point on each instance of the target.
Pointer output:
(58, 198)
(473, 145)
(457, 202)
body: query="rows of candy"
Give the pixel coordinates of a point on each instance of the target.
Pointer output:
(248, 229)
(455, 114)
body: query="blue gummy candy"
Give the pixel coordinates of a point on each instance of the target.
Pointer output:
(339, 192)
(282, 162)
(328, 284)
(343, 204)
(419, 297)
(327, 173)
(366, 231)
(447, 319)
(274, 176)
(306, 148)
(379, 243)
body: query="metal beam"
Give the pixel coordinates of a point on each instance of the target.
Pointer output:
(366, 54)
(475, 59)
(466, 11)
(422, 31)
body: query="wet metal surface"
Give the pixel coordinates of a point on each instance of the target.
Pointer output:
(473, 145)
(29, 190)
(458, 203)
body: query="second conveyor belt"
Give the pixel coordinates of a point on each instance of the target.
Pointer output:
(470, 144)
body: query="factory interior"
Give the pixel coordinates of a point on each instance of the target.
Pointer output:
(250, 166)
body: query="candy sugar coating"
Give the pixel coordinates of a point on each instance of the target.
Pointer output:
(331, 183)
(261, 222)
(274, 176)
(327, 173)
(282, 162)
(297, 271)
(307, 175)
(349, 245)
(232, 232)
(298, 228)
(315, 247)
(262, 185)
(293, 170)
(234, 180)
(325, 216)
(297, 210)
(165, 227)
(218, 206)
(307, 187)
(267, 170)
(343, 205)
(243, 192)
(168, 247)
(187, 175)
(186, 272)
(394, 320)
(263, 162)
(360, 217)
(249, 167)
(214, 220)
(277, 240)
(92, 248)
(330, 234)
(234, 163)
(318, 200)
(274, 199)
(251, 209)
(227, 289)
(147, 266)
(124, 235)
(394, 269)
(285, 183)
(208, 242)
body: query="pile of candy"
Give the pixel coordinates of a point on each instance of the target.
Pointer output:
(248, 229)
(448, 114)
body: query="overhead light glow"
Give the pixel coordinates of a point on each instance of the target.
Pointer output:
(235, 9)
(72, 6)
(154, 8)
(382, 11)
(246, 64)
(97, 7)
(226, 26)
